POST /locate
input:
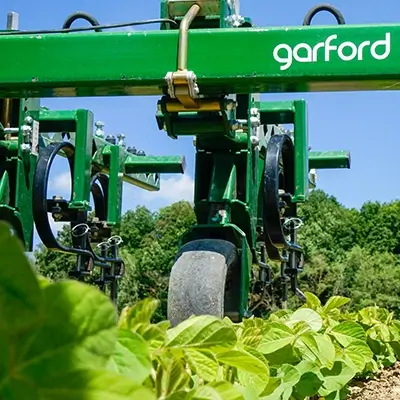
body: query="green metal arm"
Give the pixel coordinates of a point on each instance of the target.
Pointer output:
(329, 159)
(141, 171)
(329, 58)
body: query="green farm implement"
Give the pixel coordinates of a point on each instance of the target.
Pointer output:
(252, 170)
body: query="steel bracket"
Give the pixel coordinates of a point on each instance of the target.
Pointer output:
(183, 87)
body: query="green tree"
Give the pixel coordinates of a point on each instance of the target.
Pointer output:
(135, 226)
(379, 227)
(329, 228)
(371, 279)
(55, 265)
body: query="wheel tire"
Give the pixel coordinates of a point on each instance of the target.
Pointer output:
(205, 280)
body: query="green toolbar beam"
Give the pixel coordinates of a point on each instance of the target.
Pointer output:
(329, 159)
(246, 60)
(155, 164)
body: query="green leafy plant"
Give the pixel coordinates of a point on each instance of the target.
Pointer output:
(64, 340)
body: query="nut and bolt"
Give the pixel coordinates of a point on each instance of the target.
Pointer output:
(121, 140)
(25, 147)
(131, 150)
(99, 128)
(111, 139)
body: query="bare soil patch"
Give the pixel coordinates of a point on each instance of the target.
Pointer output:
(385, 386)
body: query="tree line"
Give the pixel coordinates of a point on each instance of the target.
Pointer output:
(348, 252)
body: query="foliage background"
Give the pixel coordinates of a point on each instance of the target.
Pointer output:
(349, 252)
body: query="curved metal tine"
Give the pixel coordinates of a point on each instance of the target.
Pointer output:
(279, 147)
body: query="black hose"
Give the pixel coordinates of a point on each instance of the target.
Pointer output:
(81, 15)
(96, 27)
(324, 7)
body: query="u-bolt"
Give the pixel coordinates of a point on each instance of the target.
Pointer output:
(184, 36)
(324, 7)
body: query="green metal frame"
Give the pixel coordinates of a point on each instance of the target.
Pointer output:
(94, 154)
(230, 155)
(135, 63)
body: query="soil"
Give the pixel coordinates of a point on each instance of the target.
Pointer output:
(385, 386)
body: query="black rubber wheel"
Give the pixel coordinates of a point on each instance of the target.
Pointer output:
(205, 280)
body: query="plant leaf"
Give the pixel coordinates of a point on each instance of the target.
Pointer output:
(317, 347)
(255, 380)
(92, 385)
(276, 338)
(312, 301)
(308, 385)
(335, 302)
(21, 300)
(77, 331)
(243, 360)
(201, 332)
(348, 331)
(140, 313)
(336, 378)
(312, 318)
(357, 354)
(203, 363)
(176, 378)
(216, 391)
(287, 376)
(131, 357)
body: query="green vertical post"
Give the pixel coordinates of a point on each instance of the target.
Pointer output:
(25, 170)
(83, 160)
(115, 185)
(301, 151)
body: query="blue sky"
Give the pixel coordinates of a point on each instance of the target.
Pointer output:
(366, 123)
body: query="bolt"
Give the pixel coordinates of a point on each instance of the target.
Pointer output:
(141, 153)
(28, 120)
(254, 112)
(57, 216)
(254, 140)
(132, 150)
(111, 139)
(99, 128)
(26, 129)
(121, 140)
(25, 147)
(230, 105)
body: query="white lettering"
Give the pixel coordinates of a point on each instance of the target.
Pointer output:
(315, 50)
(386, 43)
(345, 51)
(353, 53)
(328, 46)
(287, 58)
(307, 48)
(361, 48)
